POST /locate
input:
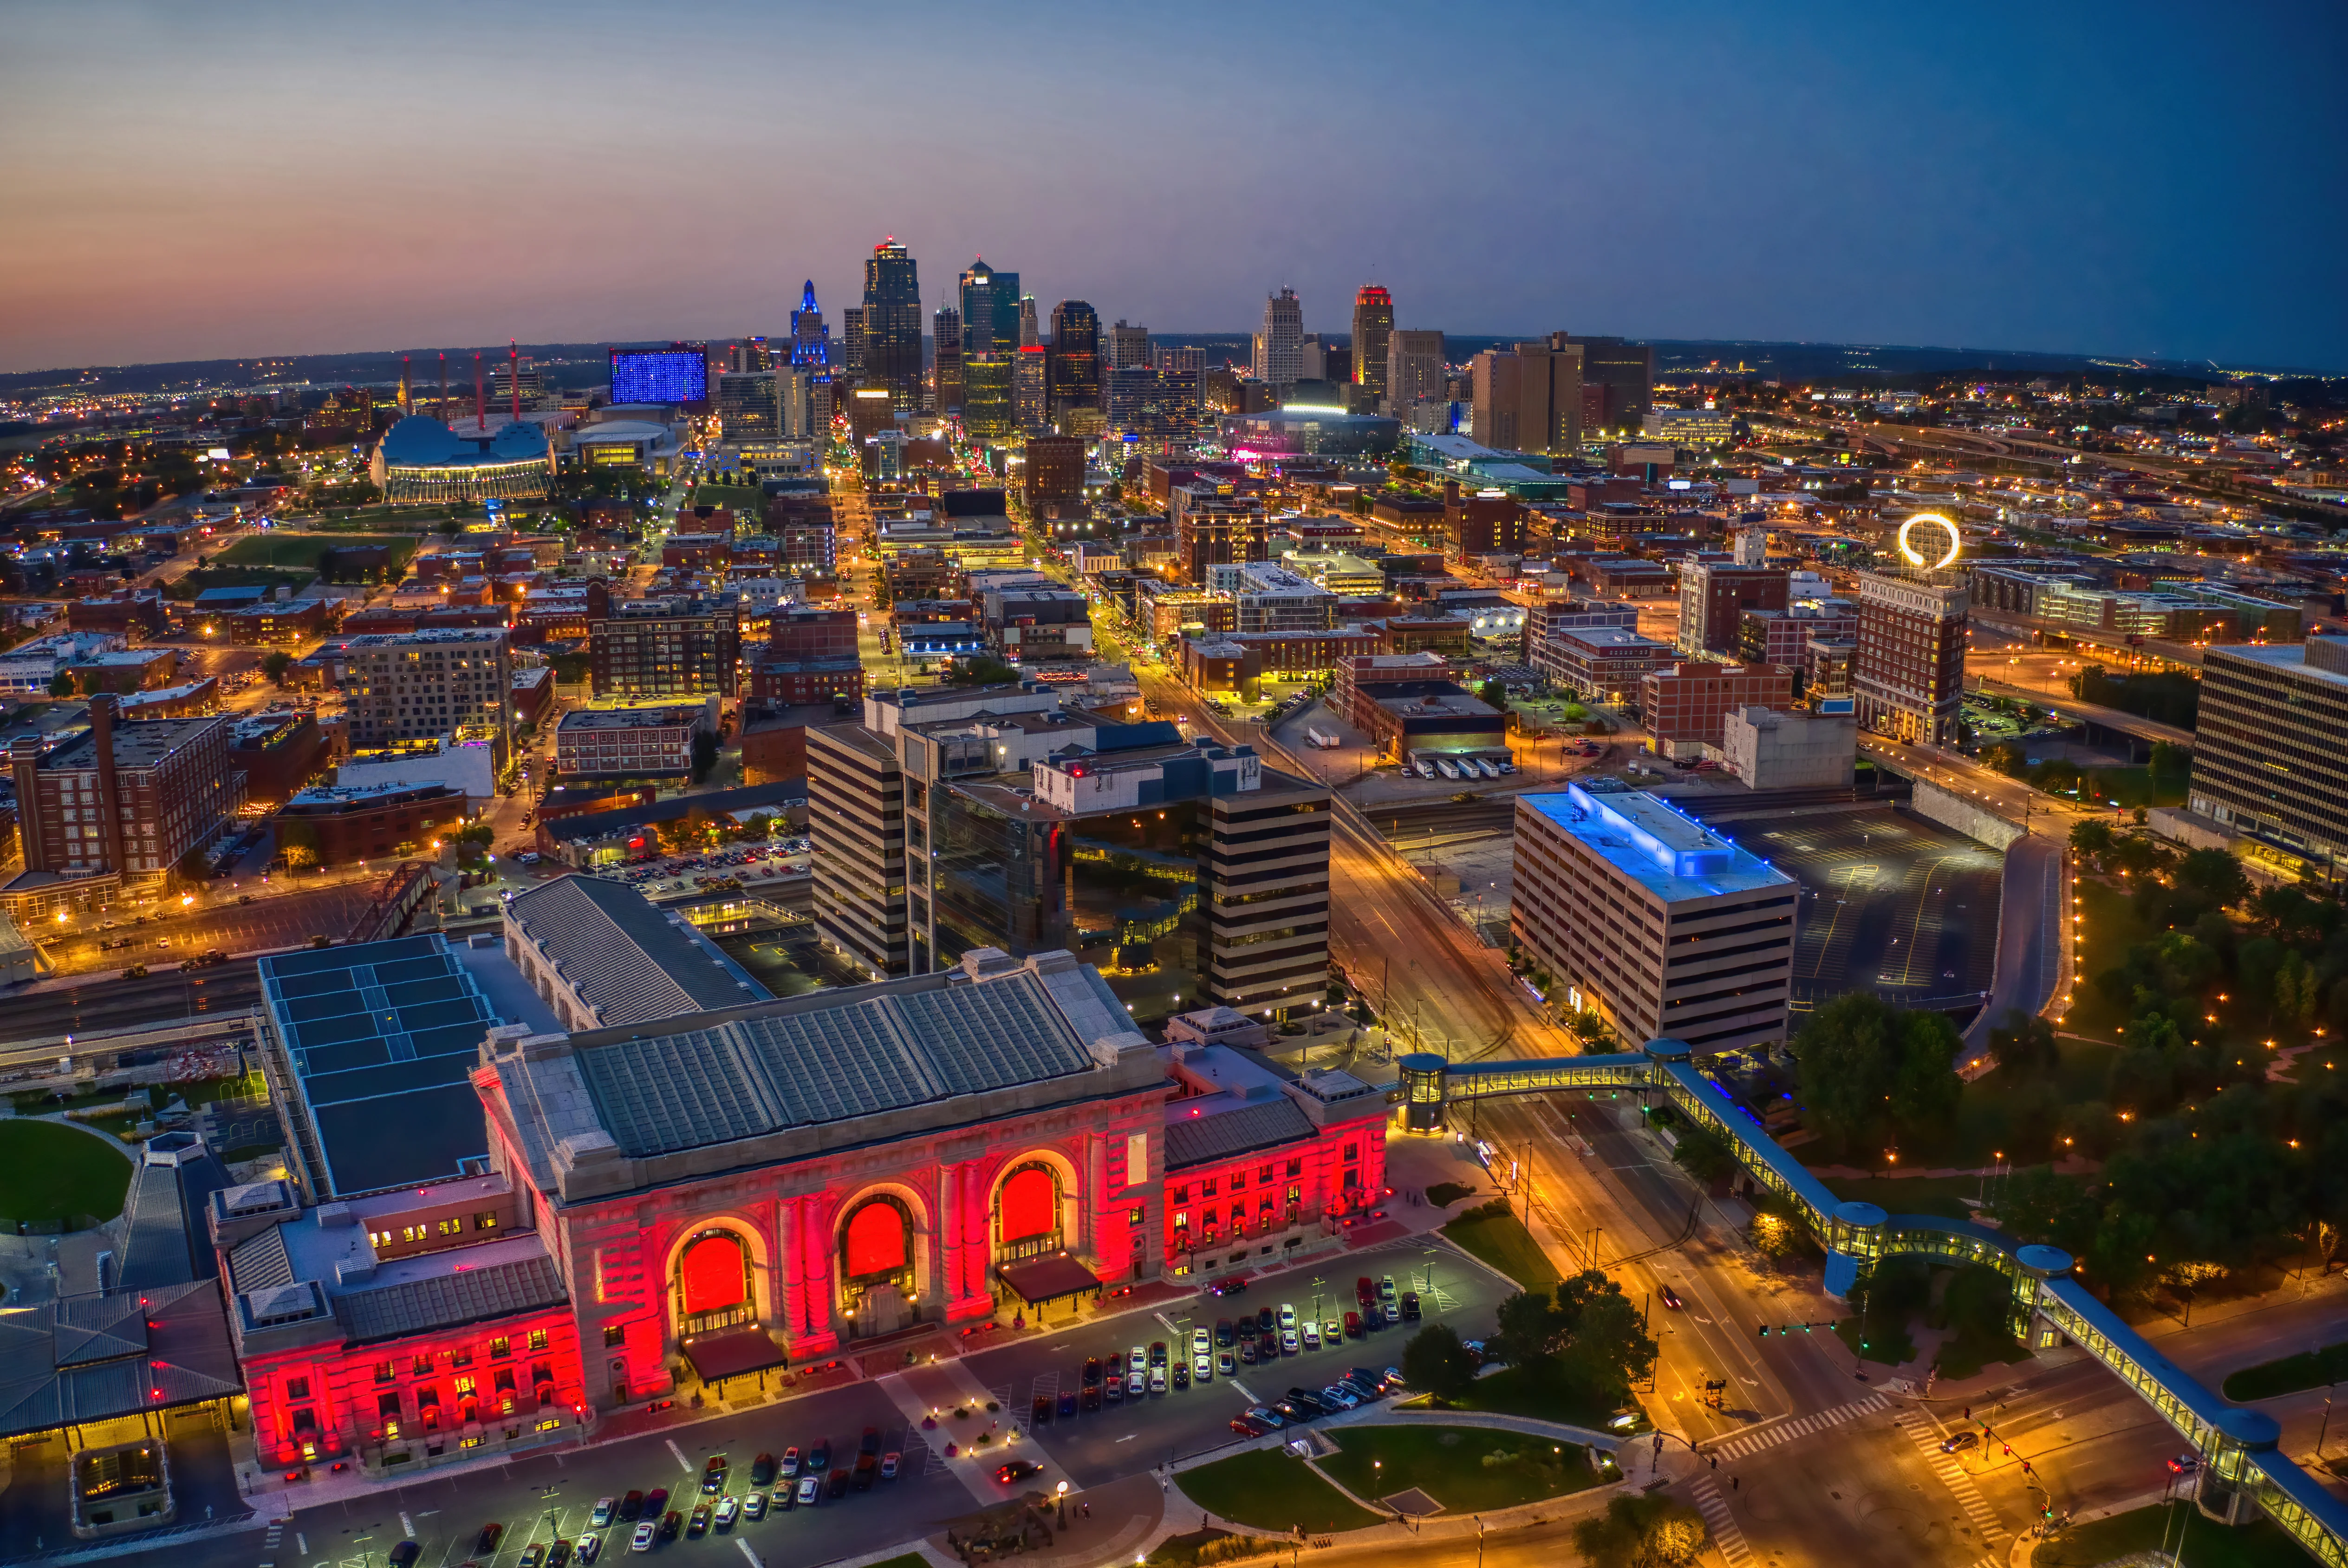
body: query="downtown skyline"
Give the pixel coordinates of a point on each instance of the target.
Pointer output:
(1827, 176)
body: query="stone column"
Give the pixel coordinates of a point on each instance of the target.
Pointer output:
(820, 1333)
(1090, 1199)
(946, 1206)
(978, 1232)
(791, 1271)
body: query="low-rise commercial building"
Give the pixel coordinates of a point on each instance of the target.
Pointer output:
(342, 824)
(653, 741)
(1772, 749)
(1684, 704)
(1601, 664)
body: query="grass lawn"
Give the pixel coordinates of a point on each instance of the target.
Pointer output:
(2308, 1369)
(2109, 929)
(1448, 1463)
(1502, 1241)
(1443, 1194)
(1268, 1488)
(52, 1173)
(2205, 1543)
(304, 551)
(1516, 1391)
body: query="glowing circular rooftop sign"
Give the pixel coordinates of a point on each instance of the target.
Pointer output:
(1907, 548)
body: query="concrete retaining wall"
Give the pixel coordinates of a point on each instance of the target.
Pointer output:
(1965, 814)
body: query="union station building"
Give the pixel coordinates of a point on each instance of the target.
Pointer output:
(741, 1183)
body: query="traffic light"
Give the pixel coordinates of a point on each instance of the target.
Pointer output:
(1764, 1331)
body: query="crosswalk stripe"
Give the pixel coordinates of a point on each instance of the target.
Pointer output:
(1754, 1442)
(1726, 1534)
(1960, 1483)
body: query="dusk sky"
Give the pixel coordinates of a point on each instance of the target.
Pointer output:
(187, 181)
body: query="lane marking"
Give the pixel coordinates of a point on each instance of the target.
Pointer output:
(407, 1525)
(682, 1462)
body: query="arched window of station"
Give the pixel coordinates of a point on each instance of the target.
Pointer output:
(1027, 1212)
(712, 1285)
(876, 1249)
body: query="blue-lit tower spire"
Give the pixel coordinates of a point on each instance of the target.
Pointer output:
(811, 339)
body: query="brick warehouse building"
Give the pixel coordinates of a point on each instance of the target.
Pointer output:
(723, 1190)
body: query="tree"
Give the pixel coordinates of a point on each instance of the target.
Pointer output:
(2025, 1045)
(1494, 692)
(2092, 837)
(704, 754)
(1704, 1155)
(1870, 1070)
(1652, 1531)
(2214, 874)
(297, 841)
(1978, 1303)
(1530, 1329)
(275, 664)
(1609, 1349)
(1435, 1360)
(980, 669)
(61, 683)
(1596, 1035)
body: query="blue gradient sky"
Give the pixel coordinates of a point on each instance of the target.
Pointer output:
(194, 181)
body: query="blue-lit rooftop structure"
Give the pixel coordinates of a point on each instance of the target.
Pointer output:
(421, 459)
(1673, 856)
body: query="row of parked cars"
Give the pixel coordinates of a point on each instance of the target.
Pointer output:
(1357, 1386)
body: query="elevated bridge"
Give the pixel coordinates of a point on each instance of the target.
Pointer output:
(2241, 1466)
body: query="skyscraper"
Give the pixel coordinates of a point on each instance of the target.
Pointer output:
(1618, 382)
(1031, 330)
(1530, 400)
(893, 325)
(987, 414)
(1127, 346)
(1031, 389)
(1075, 356)
(1372, 328)
(1414, 370)
(990, 311)
(851, 341)
(1180, 372)
(948, 379)
(811, 339)
(1279, 347)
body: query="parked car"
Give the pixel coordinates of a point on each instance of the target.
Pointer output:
(1410, 1307)
(753, 1505)
(485, 1544)
(602, 1515)
(655, 1502)
(642, 1539)
(790, 1462)
(890, 1464)
(835, 1486)
(762, 1469)
(1353, 1326)
(811, 1490)
(590, 1548)
(698, 1524)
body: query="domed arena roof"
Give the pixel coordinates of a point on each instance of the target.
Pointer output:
(421, 441)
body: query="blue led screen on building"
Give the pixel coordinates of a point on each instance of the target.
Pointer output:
(679, 374)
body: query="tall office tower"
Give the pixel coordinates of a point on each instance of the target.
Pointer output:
(811, 339)
(1182, 372)
(1075, 356)
(988, 413)
(750, 355)
(948, 378)
(1653, 920)
(1909, 670)
(1126, 347)
(893, 325)
(456, 683)
(990, 311)
(679, 644)
(1126, 392)
(1713, 597)
(1414, 372)
(1618, 382)
(1030, 329)
(1031, 389)
(1279, 347)
(2266, 752)
(1530, 400)
(1372, 331)
(851, 342)
(750, 405)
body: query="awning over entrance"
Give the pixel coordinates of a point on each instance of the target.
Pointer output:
(1054, 1278)
(733, 1353)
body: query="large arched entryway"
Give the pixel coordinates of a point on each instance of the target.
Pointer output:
(876, 1266)
(1028, 1209)
(711, 1286)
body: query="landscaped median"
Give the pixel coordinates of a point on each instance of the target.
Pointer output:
(1462, 1469)
(2291, 1374)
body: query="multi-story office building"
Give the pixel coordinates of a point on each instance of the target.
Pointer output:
(988, 410)
(1715, 597)
(648, 743)
(1031, 389)
(1076, 357)
(893, 325)
(1180, 373)
(2272, 728)
(1600, 663)
(1372, 328)
(1688, 429)
(1783, 636)
(1214, 527)
(674, 645)
(811, 339)
(1031, 326)
(1482, 523)
(851, 342)
(128, 799)
(1618, 382)
(1651, 919)
(1528, 399)
(1909, 673)
(1126, 347)
(1269, 597)
(946, 375)
(1279, 347)
(1055, 469)
(990, 311)
(1200, 875)
(1415, 370)
(424, 685)
(750, 405)
(1684, 705)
